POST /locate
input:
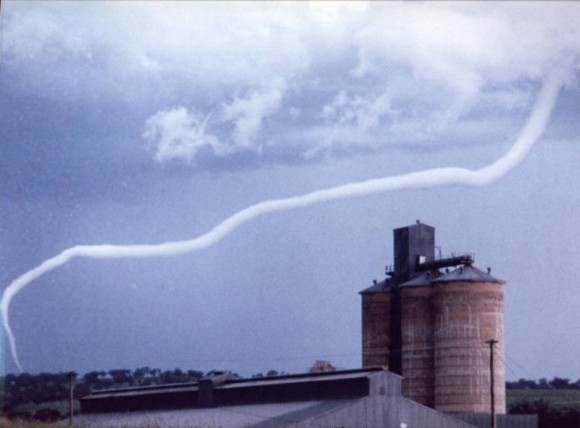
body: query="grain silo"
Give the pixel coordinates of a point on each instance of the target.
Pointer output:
(468, 310)
(381, 304)
(376, 320)
(431, 325)
(417, 340)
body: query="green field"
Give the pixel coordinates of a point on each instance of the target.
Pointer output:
(558, 398)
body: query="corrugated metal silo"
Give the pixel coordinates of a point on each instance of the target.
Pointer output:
(381, 303)
(468, 310)
(417, 340)
(376, 324)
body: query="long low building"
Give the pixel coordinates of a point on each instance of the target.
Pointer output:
(369, 397)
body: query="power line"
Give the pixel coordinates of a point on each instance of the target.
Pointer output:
(522, 367)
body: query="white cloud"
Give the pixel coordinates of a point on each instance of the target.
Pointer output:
(362, 113)
(352, 120)
(248, 114)
(38, 35)
(179, 135)
(403, 70)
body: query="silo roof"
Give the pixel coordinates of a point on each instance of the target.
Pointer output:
(379, 287)
(468, 273)
(419, 281)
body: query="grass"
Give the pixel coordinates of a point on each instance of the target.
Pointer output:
(5, 423)
(61, 406)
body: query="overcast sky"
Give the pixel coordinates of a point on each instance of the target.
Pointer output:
(147, 122)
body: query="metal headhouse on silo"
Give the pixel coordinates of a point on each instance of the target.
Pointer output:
(430, 321)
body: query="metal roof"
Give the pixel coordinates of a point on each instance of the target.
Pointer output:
(321, 377)
(128, 392)
(379, 287)
(468, 273)
(416, 224)
(252, 415)
(234, 383)
(148, 388)
(381, 404)
(419, 281)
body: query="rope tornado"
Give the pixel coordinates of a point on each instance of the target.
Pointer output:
(531, 132)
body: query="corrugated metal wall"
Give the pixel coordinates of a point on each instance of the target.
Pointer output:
(378, 412)
(359, 415)
(386, 408)
(482, 420)
(403, 412)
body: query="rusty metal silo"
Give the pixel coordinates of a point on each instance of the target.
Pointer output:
(381, 303)
(376, 324)
(468, 311)
(432, 327)
(414, 246)
(417, 340)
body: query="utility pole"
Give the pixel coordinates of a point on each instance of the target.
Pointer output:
(491, 343)
(71, 378)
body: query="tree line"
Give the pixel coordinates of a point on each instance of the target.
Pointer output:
(23, 389)
(549, 415)
(543, 383)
